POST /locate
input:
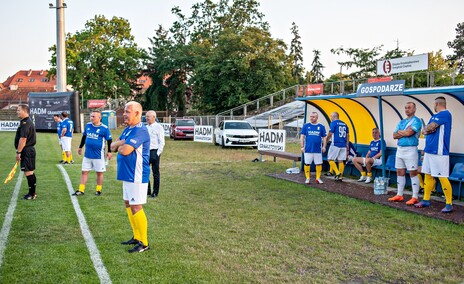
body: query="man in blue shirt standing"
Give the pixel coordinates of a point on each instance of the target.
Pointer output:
(313, 144)
(95, 137)
(58, 120)
(340, 145)
(133, 147)
(407, 157)
(67, 129)
(436, 158)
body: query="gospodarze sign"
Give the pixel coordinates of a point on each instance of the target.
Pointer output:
(271, 139)
(403, 64)
(381, 88)
(9, 125)
(203, 133)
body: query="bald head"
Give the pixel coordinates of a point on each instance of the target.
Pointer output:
(334, 115)
(132, 113)
(150, 117)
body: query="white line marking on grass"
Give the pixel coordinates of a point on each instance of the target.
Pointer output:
(9, 217)
(89, 241)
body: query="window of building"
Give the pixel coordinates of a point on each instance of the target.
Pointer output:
(31, 80)
(19, 80)
(44, 80)
(142, 81)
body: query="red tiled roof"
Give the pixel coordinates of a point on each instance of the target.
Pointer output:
(31, 79)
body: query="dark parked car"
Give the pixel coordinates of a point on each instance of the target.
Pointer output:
(182, 128)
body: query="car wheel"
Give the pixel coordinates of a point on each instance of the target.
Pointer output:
(223, 143)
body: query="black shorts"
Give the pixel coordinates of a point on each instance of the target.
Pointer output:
(28, 159)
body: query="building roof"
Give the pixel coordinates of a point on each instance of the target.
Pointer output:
(30, 79)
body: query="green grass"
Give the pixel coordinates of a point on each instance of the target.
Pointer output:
(219, 219)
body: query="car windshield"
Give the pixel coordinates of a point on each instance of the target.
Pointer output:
(185, 123)
(237, 125)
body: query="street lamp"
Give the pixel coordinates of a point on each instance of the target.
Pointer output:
(60, 46)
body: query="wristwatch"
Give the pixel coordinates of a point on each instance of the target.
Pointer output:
(17, 152)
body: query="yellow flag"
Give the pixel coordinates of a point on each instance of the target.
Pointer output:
(12, 173)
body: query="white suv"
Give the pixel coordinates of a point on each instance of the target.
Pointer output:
(235, 133)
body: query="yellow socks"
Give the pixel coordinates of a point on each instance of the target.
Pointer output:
(334, 167)
(318, 171)
(421, 181)
(363, 174)
(447, 189)
(429, 184)
(99, 188)
(341, 167)
(140, 221)
(369, 174)
(63, 156)
(307, 169)
(81, 187)
(135, 232)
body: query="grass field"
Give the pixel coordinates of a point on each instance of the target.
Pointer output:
(218, 219)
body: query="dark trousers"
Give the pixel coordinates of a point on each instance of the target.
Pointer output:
(154, 162)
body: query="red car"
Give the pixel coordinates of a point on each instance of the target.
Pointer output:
(182, 128)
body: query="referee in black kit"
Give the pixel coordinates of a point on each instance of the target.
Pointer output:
(25, 151)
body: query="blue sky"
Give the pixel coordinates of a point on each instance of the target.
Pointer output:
(28, 28)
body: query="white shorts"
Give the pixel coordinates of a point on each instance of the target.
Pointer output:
(135, 193)
(66, 143)
(377, 162)
(59, 141)
(336, 153)
(435, 165)
(407, 158)
(313, 157)
(97, 165)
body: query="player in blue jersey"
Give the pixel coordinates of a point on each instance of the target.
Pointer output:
(133, 147)
(372, 158)
(58, 120)
(407, 133)
(95, 137)
(436, 158)
(340, 135)
(313, 143)
(67, 130)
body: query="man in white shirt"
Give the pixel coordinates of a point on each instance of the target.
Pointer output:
(156, 132)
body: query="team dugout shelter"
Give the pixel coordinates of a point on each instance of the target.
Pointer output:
(382, 105)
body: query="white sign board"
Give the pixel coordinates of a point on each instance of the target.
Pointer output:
(403, 64)
(271, 139)
(9, 125)
(167, 128)
(203, 133)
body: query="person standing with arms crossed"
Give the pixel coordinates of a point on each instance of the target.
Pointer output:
(25, 152)
(67, 129)
(340, 145)
(312, 137)
(58, 120)
(95, 136)
(133, 147)
(407, 133)
(436, 158)
(156, 132)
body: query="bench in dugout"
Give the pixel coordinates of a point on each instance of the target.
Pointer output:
(278, 154)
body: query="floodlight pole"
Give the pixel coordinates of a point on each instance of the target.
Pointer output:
(60, 46)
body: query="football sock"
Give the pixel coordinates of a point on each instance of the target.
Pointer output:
(81, 187)
(132, 223)
(318, 171)
(401, 181)
(63, 156)
(429, 183)
(341, 167)
(415, 186)
(70, 158)
(140, 219)
(363, 174)
(99, 187)
(369, 174)
(334, 166)
(306, 170)
(447, 189)
(331, 170)
(421, 180)
(31, 180)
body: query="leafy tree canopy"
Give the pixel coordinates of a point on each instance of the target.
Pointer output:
(102, 59)
(458, 46)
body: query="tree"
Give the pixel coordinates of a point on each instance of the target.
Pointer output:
(103, 59)
(296, 54)
(316, 68)
(363, 59)
(458, 46)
